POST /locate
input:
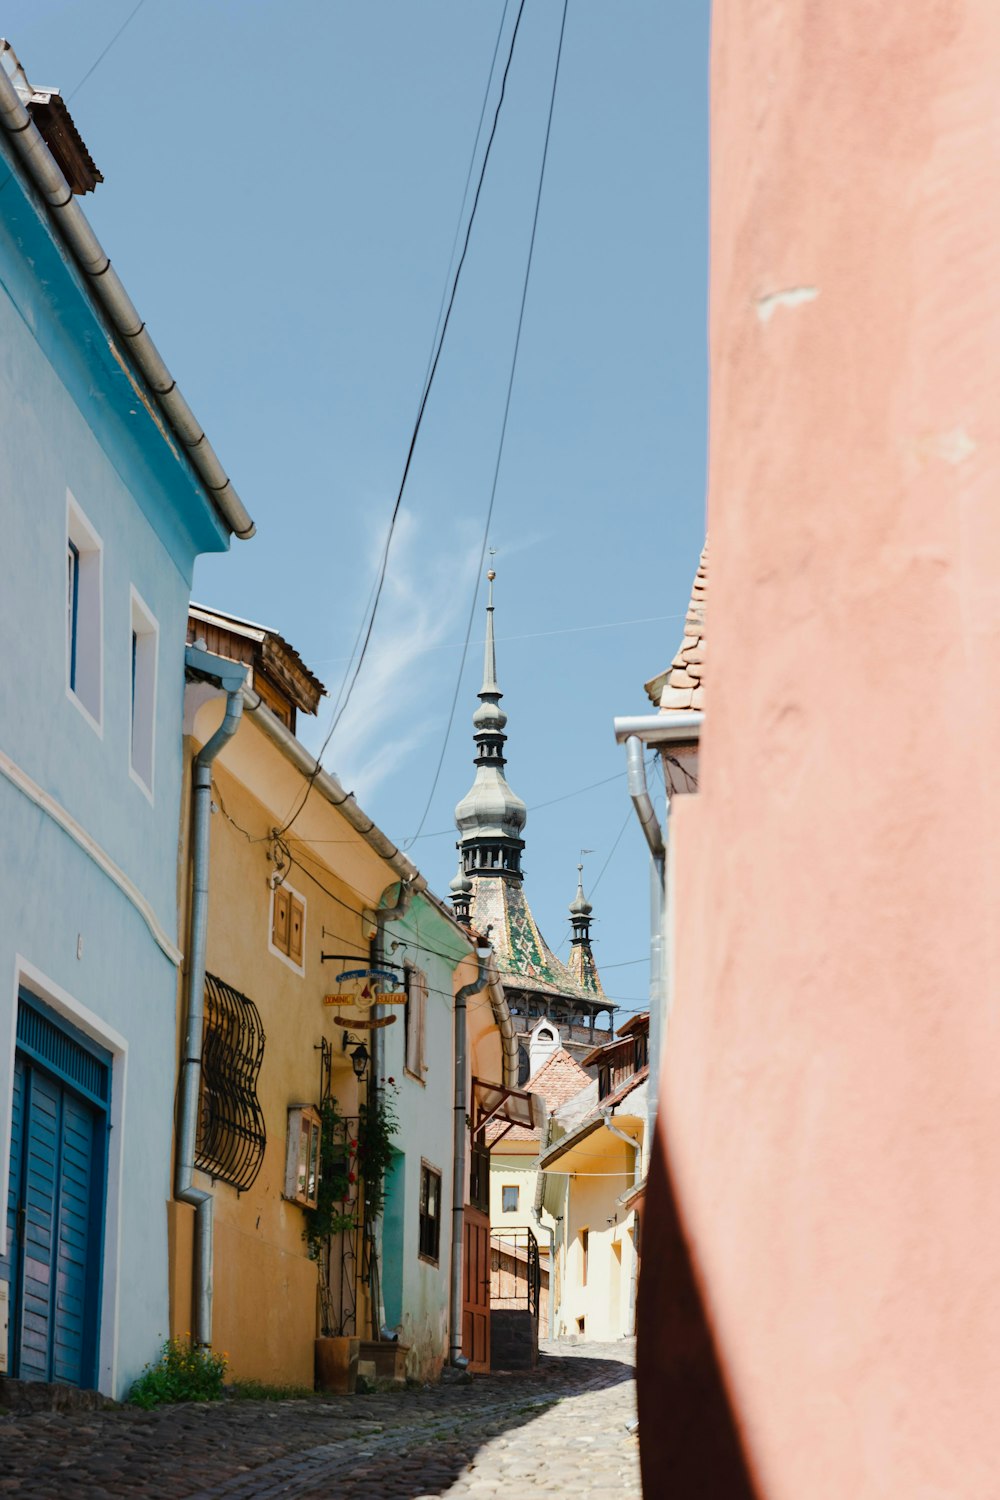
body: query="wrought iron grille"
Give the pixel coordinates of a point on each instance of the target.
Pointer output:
(338, 1282)
(231, 1131)
(515, 1270)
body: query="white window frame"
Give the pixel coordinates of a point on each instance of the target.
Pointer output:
(299, 969)
(89, 618)
(142, 691)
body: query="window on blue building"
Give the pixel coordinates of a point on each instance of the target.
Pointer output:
(84, 612)
(144, 641)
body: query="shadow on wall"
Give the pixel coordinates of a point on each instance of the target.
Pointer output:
(688, 1436)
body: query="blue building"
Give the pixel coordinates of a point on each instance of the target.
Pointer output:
(109, 491)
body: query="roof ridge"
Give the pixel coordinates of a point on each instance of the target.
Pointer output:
(682, 685)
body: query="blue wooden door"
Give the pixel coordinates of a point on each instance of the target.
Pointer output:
(55, 1208)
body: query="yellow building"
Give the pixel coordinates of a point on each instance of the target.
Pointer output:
(286, 887)
(593, 1168)
(515, 1204)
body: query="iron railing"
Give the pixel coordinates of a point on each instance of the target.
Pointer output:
(231, 1131)
(515, 1270)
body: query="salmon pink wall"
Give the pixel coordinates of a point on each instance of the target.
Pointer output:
(831, 1099)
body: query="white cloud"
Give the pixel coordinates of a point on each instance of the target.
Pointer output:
(424, 604)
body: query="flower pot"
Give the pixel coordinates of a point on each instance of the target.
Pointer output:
(336, 1363)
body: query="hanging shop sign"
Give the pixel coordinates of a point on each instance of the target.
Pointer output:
(359, 987)
(365, 997)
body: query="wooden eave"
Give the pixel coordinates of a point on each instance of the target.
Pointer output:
(55, 125)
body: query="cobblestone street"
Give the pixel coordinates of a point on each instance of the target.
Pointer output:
(560, 1430)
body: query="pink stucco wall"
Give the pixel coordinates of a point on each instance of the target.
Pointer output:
(832, 1081)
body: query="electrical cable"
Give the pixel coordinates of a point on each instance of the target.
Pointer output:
(428, 383)
(440, 833)
(437, 324)
(503, 433)
(102, 55)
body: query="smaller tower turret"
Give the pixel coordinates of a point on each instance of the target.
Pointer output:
(582, 964)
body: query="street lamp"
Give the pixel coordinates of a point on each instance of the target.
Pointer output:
(359, 1061)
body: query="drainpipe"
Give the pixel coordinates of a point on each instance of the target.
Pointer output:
(646, 813)
(231, 676)
(536, 1214)
(381, 918)
(655, 729)
(460, 1138)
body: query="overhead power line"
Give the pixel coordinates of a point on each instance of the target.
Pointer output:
(345, 697)
(503, 433)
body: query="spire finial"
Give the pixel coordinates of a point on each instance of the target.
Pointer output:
(490, 654)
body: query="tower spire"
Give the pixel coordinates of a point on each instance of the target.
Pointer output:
(490, 817)
(582, 964)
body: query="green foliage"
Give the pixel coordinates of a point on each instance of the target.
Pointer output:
(256, 1390)
(334, 1211)
(184, 1372)
(377, 1126)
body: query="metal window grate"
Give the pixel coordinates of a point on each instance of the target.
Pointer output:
(231, 1132)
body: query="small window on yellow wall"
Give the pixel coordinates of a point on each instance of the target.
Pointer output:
(302, 1160)
(279, 926)
(296, 918)
(288, 925)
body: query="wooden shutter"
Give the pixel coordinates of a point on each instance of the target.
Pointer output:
(279, 930)
(416, 1010)
(296, 927)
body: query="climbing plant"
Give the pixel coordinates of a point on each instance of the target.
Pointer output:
(338, 1173)
(378, 1124)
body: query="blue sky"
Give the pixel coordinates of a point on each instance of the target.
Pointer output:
(282, 187)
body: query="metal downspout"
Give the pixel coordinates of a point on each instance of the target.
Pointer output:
(381, 918)
(646, 813)
(190, 1081)
(536, 1214)
(460, 1139)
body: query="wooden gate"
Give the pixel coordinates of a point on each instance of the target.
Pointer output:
(476, 1290)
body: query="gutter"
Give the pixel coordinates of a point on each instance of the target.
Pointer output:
(117, 306)
(679, 728)
(568, 1141)
(460, 1136)
(505, 1025)
(231, 676)
(330, 788)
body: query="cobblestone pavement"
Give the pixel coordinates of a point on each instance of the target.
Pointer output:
(559, 1430)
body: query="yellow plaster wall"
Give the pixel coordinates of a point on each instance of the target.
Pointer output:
(265, 1286)
(514, 1168)
(590, 1203)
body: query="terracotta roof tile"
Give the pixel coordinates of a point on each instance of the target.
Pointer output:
(681, 686)
(559, 1079)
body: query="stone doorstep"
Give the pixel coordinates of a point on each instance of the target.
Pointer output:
(383, 1361)
(37, 1395)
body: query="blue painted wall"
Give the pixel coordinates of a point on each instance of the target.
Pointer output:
(72, 418)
